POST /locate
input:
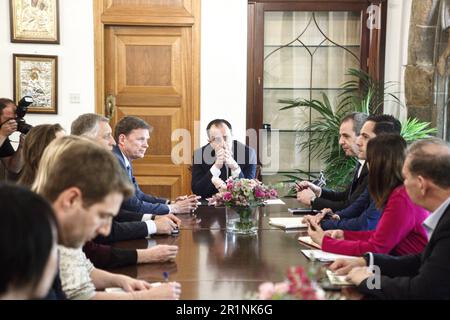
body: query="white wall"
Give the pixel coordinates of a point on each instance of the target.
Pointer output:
(75, 60)
(224, 64)
(397, 30)
(223, 59)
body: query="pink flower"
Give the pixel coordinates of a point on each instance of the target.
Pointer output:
(227, 196)
(242, 192)
(273, 193)
(282, 288)
(259, 193)
(266, 291)
(296, 286)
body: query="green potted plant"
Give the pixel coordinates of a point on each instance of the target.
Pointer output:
(362, 94)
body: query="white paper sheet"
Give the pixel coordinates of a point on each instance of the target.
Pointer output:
(324, 256)
(288, 223)
(308, 241)
(274, 201)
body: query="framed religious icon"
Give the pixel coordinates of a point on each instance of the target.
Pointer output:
(35, 21)
(37, 76)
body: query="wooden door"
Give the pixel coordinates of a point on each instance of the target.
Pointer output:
(148, 62)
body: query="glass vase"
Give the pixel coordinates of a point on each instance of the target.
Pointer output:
(242, 220)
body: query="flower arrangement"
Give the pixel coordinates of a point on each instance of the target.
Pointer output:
(242, 196)
(297, 286)
(243, 193)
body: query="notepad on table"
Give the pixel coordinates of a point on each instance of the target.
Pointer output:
(336, 280)
(274, 201)
(307, 240)
(288, 223)
(324, 256)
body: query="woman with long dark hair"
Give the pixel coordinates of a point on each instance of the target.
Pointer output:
(35, 143)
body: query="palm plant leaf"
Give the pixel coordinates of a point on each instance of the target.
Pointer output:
(360, 94)
(413, 129)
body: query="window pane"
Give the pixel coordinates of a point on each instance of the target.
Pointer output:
(305, 54)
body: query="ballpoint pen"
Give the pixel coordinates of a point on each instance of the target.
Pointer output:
(299, 187)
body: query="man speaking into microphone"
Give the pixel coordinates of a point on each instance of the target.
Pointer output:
(220, 159)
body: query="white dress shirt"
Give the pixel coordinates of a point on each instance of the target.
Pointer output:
(431, 222)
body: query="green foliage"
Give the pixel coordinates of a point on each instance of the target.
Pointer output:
(361, 94)
(413, 129)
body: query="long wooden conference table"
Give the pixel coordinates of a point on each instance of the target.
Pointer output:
(213, 264)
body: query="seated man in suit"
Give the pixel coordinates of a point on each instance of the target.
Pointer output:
(355, 132)
(97, 127)
(362, 213)
(426, 275)
(220, 159)
(126, 225)
(132, 135)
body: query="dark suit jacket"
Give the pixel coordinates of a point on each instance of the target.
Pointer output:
(204, 159)
(140, 202)
(123, 231)
(361, 215)
(340, 200)
(421, 276)
(104, 256)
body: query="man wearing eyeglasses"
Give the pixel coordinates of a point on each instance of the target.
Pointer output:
(220, 159)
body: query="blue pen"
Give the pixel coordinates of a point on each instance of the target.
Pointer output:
(166, 276)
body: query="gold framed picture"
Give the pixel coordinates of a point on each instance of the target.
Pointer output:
(35, 21)
(37, 76)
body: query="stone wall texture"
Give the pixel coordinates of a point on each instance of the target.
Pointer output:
(419, 74)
